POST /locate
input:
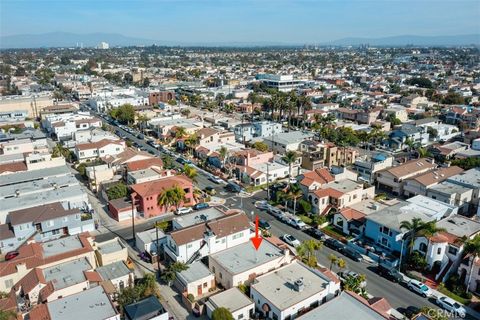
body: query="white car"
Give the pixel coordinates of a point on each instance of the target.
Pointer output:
(262, 205)
(183, 210)
(297, 223)
(216, 179)
(452, 306)
(291, 240)
(420, 288)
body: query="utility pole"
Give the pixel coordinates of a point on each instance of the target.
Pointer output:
(268, 184)
(158, 248)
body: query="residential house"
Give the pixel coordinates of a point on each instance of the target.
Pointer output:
(28, 141)
(453, 194)
(398, 138)
(393, 179)
(383, 226)
(100, 149)
(421, 183)
(239, 305)
(414, 101)
(150, 241)
(444, 132)
(444, 250)
(200, 240)
(248, 157)
(44, 255)
(397, 111)
(241, 264)
(318, 155)
(292, 289)
(351, 220)
(313, 180)
(259, 129)
(197, 280)
(472, 280)
(146, 309)
(147, 193)
(43, 223)
(110, 251)
(286, 141)
(118, 274)
(92, 304)
(368, 166)
(258, 173)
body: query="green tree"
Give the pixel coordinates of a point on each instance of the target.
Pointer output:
(223, 152)
(125, 114)
(9, 315)
(305, 205)
(413, 228)
(222, 313)
(295, 194)
(260, 146)
(117, 191)
(173, 196)
(192, 142)
(180, 132)
(167, 161)
(170, 274)
(355, 284)
(190, 172)
(307, 251)
(467, 163)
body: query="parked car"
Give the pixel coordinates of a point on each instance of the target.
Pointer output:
(210, 190)
(264, 224)
(352, 254)
(262, 205)
(315, 233)
(389, 273)
(452, 306)
(343, 275)
(334, 244)
(297, 223)
(200, 206)
(274, 211)
(233, 187)
(10, 255)
(183, 210)
(419, 287)
(140, 136)
(291, 240)
(215, 179)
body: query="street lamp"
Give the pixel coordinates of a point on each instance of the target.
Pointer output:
(133, 195)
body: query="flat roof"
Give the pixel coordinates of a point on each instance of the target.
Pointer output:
(467, 178)
(110, 246)
(195, 271)
(278, 286)
(33, 175)
(290, 137)
(67, 274)
(343, 307)
(62, 245)
(271, 166)
(149, 236)
(244, 257)
(197, 217)
(36, 186)
(343, 186)
(448, 188)
(459, 226)
(368, 206)
(144, 173)
(91, 304)
(232, 299)
(113, 270)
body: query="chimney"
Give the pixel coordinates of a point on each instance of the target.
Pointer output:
(299, 285)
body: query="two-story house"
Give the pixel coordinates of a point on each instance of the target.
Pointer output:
(200, 240)
(99, 149)
(421, 183)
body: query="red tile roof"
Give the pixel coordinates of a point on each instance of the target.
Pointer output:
(153, 188)
(13, 167)
(321, 176)
(40, 312)
(352, 214)
(97, 145)
(144, 164)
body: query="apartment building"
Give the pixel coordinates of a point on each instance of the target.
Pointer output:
(368, 166)
(318, 155)
(200, 240)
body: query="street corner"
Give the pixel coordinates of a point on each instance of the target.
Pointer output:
(216, 201)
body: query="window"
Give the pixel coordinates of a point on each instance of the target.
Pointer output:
(213, 269)
(452, 250)
(189, 246)
(240, 316)
(205, 284)
(220, 275)
(422, 247)
(439, 251)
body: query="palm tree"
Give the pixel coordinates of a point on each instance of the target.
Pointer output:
(191, 142)
(423, 152)
(180, 132)
(306, 251)
(290, 157)
(223, 152)
(429, 229)
(413, 228)
(190, 172)
(471, 247)
(173, 196)
(410, 143)
(295, 194)
(341, 264)
(333, 260)
(142, 121)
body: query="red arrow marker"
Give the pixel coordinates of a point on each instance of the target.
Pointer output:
(257, 240)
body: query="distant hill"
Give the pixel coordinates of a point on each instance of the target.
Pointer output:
(405, 40)
(66, 39)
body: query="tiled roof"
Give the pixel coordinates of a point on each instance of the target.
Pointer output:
(6, 232)
(40, 312)
(97, 145)
(321, 176)
(437, 176)
(13, 167)
(144, 164)
(157, 186)
(352, 214)
(31, 280)
(410, 167)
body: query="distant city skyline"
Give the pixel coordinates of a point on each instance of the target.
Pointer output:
(283, 21)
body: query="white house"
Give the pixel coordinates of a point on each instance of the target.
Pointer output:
(239, 305)
(102, 148)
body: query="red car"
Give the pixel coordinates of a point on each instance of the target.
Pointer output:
(10, 255)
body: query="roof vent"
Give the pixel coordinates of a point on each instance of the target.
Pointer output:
(299, 285)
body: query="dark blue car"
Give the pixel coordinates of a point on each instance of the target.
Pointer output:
(200, 206)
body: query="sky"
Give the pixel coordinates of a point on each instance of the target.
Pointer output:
(287, 21)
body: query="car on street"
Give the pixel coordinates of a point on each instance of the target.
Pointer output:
(210, 190)
(389, 273)
(297, 223)
(215, 179)
(274, 211)
(334, 244)
(451, 305)
(233, 187)
(201, 205)
(291, 240)
(262, 223)
(315, 233)
(419, 287)
(292, 180)
(352, 254)
(183, 210)
(262, 205)
(10, 255)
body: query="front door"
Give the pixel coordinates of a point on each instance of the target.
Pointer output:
(199, 289)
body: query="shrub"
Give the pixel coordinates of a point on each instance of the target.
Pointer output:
(190, 297)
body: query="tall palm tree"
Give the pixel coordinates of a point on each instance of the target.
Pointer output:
(295, 194)
(306, 251)
(471, 247)
(429, 229)
(223, 152)
(142, 121)
(414, 228)
(410, 143)
(290, 157)
(192, 141)
(173, 196)
(333, 260)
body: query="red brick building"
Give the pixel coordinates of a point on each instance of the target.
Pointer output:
(148, 192)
